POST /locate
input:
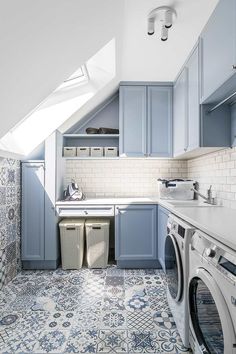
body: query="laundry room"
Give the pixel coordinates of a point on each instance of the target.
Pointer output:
(118, 176)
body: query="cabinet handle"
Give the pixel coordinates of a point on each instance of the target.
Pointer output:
(234, 67)
(86, 213)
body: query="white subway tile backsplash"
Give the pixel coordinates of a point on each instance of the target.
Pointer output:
(219, 170)
(131, 177)
(137, 177)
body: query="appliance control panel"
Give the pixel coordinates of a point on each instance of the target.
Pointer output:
(218, 257)
(179, 227)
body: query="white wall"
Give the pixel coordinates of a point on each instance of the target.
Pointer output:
(44, 42)
(128, 177)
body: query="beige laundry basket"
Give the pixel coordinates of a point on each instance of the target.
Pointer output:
(72, 243)
(97, 242)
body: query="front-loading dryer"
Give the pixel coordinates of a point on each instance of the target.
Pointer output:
(177, 272)
(212, 296)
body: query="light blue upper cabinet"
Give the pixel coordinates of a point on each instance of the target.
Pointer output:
(196, 130)
(181, 113)
(32, 211)
(132, 111)
(135, 232)
(159, 121)
(145, 120)
(193, 110)
(218, 49)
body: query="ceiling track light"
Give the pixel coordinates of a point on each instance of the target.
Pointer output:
(165, 15)
(164, 33)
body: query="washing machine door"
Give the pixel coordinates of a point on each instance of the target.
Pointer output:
(210, 318)
(174, 269)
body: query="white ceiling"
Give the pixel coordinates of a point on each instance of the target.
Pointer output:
(147, 57)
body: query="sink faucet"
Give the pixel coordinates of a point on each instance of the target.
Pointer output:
(209, 199)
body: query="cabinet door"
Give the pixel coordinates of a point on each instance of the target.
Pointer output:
(218, 47)
(180, 113)
(33, 211)
(159, 121)
(135, 232)
(162, 233)
(193, 101)
(133, 121)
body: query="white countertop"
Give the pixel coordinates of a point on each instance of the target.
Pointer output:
(216, 221)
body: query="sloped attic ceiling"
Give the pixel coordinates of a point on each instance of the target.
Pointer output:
(44, 42)
(67, 99)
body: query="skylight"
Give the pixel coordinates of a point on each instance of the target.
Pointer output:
(80, 76)
(67, 99)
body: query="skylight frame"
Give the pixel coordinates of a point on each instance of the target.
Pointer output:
(76, 79)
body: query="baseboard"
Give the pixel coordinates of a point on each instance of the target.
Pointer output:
(40, 264)
(139, 264)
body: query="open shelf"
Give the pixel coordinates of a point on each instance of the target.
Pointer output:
(91, 158)
(92, 136)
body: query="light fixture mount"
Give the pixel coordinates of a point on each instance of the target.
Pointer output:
(165, 15)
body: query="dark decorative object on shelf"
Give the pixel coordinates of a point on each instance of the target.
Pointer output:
(102, 130)
(92, 131)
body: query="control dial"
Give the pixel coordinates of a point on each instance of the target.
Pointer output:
(210, 252)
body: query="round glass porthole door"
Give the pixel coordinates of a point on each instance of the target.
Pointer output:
(173, 268)
(205, 318)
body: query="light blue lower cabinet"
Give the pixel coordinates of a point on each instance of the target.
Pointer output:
(136, 236)
(162, 233)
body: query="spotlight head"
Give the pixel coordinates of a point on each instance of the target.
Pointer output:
(151, 26)
(164, 33)
(168, 18)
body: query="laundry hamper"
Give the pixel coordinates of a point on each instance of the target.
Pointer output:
(97, 242)
(72, 243)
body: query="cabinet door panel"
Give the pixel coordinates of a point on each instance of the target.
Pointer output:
(218, 47)
(162, 233)
(159, 121)
(180, 113)
(135, 232)
(193, 101)
(133, 121)
(32, 211)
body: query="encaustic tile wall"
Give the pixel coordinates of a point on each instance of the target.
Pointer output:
(10, 195)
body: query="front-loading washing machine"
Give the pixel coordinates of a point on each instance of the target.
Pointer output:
(212, 296)
(177, 272)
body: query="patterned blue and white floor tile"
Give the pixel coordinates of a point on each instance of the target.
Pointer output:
(87, 311)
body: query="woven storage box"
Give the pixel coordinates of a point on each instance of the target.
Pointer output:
(69, 151)
(83, 151)
(110, 151)
(96, 151)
